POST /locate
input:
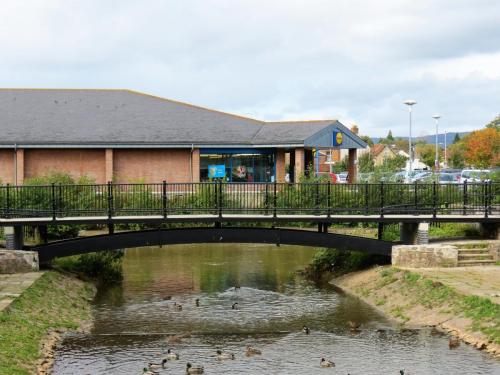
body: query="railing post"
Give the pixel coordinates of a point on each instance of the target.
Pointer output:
(7, 209)
(164, 198)
(434, 199)
(220, 199)
(415, 198)
(53, 194)
(381, 198)
(367, 199)
(110, 199)
(485, 194)
(490, 197)
(317, 200)
(465, 198)
(266, 199)
(328, 195)
(275, 214)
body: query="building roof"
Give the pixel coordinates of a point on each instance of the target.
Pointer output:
(125, 118)
(376, 149)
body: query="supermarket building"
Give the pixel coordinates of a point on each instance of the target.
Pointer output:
(126, 136)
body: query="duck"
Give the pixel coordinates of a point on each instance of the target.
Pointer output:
(224, 355)
(156, 366)
(197, 302)
(190, 369)
(171, 355)
(250, 350)
(177, 306)
(145, 371)
(326, 363)
(235, 306)
(306, 330)
(454, 343)
(354, 325)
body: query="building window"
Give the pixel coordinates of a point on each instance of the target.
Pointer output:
(237, 165)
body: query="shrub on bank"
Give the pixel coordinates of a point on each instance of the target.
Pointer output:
(103, 266)
(336, 262)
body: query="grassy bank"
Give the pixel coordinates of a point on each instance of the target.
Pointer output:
(54, 301)
(416, 300)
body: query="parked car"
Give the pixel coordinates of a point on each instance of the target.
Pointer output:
(474, 175)
(449, 178)
(342, 177)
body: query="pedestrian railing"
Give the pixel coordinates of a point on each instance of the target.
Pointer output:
(272, 199)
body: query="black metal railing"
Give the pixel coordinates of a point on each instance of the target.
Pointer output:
(273, 199)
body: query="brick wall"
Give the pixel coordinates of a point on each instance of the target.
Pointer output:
(7, 166)
(131, 165)
(77, 163)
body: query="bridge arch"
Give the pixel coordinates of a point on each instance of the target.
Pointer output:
(158, 237)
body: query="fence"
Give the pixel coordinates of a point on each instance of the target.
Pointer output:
(218, 198)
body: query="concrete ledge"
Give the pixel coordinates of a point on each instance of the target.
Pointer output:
(425, 256)
(18, 261)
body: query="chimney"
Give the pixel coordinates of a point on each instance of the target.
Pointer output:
(355, 129)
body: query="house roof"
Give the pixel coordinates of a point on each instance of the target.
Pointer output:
(99, 118)
(376, 149)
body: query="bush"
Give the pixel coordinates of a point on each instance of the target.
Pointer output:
(103, 266)
(338, 262)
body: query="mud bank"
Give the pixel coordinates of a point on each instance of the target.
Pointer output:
(415, 300)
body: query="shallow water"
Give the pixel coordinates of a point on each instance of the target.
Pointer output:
(134, 321)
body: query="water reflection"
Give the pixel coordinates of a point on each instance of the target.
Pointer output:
(134, 321)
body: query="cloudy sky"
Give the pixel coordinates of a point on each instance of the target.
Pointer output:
(270, 59)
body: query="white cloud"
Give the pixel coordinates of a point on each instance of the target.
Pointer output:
(353, 60)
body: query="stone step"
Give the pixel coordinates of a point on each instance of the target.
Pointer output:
(472, 246)
(464, 252)
(475, 257)
(463, 263)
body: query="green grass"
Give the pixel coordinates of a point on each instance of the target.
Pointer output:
(484, 313)
(54, 301)
(447, 230)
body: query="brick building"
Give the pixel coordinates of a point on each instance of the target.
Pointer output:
(127, 136)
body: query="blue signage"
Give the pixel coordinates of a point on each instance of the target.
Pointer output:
(337, 138)
(216, 171)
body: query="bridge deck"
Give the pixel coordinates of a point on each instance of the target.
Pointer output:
(211, 218)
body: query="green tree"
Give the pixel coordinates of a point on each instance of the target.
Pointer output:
(457, 138)
(389, 136)
(427, 153)
(365, 163)
(495, 123)
(367, 139)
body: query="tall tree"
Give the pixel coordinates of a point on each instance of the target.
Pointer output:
(457, 138)
(482, 148)
(389, 136)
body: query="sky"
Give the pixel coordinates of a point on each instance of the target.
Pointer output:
(356, 61)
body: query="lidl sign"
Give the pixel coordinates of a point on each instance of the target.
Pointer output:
(337, 138)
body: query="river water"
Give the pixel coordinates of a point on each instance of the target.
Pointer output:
(135, 320)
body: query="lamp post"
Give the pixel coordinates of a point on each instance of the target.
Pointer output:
(410, 103)
(436, 160)
(445, 163)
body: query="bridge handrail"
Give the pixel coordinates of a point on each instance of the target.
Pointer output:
(265, 198)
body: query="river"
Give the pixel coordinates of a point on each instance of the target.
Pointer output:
(134, 320)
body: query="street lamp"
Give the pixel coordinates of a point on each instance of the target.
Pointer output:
(445, 163)
(410, 103)
(436, 160)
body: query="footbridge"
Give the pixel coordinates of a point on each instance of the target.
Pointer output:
(217, 205)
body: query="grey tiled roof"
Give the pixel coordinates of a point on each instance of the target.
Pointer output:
(114, 117)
